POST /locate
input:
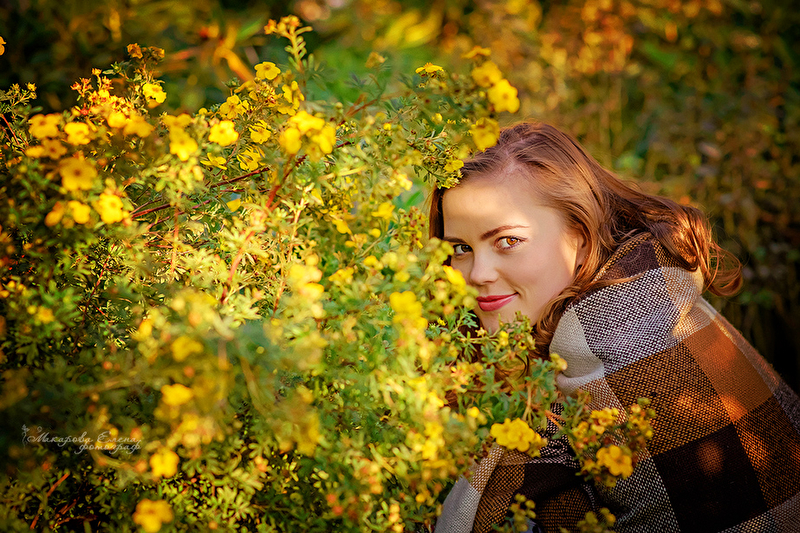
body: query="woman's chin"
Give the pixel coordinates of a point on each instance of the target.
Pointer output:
(490, 324)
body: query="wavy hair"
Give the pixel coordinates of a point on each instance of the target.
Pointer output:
(596, 204)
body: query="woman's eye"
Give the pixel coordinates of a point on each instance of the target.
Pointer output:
(508, 242)
(459, 249)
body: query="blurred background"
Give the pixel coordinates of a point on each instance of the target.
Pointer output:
(694, 99)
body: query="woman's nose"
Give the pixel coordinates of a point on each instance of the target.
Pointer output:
(483, 270)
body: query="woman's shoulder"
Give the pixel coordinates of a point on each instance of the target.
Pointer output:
(640, 270)
(639, 253)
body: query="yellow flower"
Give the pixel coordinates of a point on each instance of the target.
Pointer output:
(53, 148)
(45, 315)
(429, 68)
(181, 144)
(407, 308)
(341, 226)
(322, 143)
(34, 151)
(233, 205)
(233, 107)
(152, 514)
(271, 27)
(293, 97)
(581, 430)
(77, 133)
(260, 132)
(342, 276)
(110, 208)
(43, 126)
(502, 338)
(250, 158)
(618, 462)
(55, 215)
(138, 126)
(135, 51)
(516, 434)
(77, 174)
(2, 46)
(290, 140)
(215, 161)
(477, 51)
(223, 133)
(80, 211)
(453, 165)
(602, 419)
(322, 137)
(504, 97)
(487, 74)
(164, 463)
(117, 119)
(154, 94)
(267, 71)
(176, 123)
(176, 394)
(303, 278)
(561, 365)
(305, 122)
(374, 60)
(454, 277)
(485, 133)
(184, 346)
(384, 211)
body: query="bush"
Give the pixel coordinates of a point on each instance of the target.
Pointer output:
(234, 320)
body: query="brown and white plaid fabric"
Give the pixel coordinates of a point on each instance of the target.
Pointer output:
(562, 498)
(725, 453)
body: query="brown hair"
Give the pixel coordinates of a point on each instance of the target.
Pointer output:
(599, 206)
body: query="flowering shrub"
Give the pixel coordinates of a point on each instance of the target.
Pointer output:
(233, 320)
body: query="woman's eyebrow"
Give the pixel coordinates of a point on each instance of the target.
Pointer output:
(492, 232)
(488, 235)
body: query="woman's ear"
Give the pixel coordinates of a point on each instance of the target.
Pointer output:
(582, 251)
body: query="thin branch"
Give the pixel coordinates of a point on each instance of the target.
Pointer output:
(555, 419)
(235, 265)
(49, 492)
(174, 247)
(10, 129)
(56, 484)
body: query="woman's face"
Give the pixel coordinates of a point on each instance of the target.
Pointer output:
(518, 253)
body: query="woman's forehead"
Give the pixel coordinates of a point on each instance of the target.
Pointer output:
(504, 186)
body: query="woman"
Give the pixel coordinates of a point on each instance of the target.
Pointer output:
(612, 280)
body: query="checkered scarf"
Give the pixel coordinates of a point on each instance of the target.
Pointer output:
(725, 453)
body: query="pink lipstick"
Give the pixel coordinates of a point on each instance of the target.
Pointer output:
(493, 303)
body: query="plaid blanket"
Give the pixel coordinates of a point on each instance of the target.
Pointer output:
(725, 454)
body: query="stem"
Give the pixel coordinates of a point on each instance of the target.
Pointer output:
(49, 492)
(212, 186)
(159, 221)
(235, 265)
(10, 129)
(174, 247)
(56, 484)
(291, 250)
(555, 419)
(96, 285)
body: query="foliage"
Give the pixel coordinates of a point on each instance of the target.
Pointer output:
(233, 319)
(698, 100)
(206, 41)
(694, 99)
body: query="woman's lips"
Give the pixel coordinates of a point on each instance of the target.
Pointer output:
(493, 303)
